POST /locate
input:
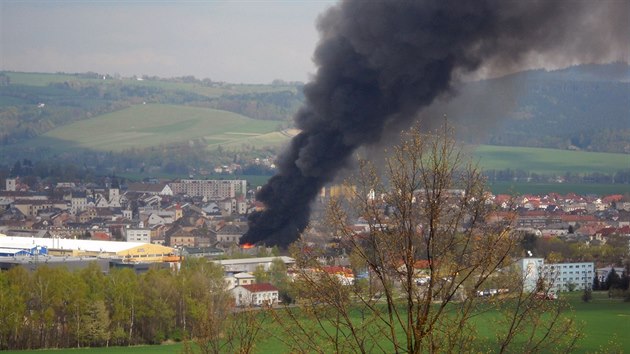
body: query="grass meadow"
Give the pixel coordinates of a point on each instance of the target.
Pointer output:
(151, 125)
(604, 324)
(548, 161)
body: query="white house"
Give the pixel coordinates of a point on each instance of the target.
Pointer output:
(255, 295)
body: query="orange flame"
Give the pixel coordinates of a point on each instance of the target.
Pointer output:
(247, 245)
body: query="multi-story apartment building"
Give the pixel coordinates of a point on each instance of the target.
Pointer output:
(570, 276)
(558, 276)
(210, 189)
(138, 235)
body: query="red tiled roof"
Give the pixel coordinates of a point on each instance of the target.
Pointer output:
(533, 213)
(612, 198)
(257, 288)
(418, 264)
(102, 236)
(581, 218)
(146, 187)
(624, 230)
(607, 231)
(500, 198)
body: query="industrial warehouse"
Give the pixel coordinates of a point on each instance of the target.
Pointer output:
(75, 253)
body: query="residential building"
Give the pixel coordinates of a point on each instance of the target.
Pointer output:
(570, 276)
(150, 188)
(244, 278)
(210, 189)
(78, 202)
(255, 295)
(557, 276)
(138, 235)
(230, 233)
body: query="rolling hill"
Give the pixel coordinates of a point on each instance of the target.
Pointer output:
(86, 120)
(149, 125)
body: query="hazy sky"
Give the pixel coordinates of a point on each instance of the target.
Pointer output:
(254, 41)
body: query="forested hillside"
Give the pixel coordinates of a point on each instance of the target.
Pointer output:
(580, 108)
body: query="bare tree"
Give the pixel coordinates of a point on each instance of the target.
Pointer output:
(430, 253)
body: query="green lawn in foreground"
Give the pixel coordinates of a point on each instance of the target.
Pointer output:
(603, 319)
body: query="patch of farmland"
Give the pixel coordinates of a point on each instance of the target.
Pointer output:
(149, 125)
(548, 161)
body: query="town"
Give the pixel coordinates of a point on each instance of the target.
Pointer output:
(163, 222)
(165, 232)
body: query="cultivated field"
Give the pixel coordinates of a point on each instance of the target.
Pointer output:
(151, 125)
(548, 161)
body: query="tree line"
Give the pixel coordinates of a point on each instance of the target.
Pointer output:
(58, 308)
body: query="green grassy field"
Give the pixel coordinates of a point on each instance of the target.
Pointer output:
(602, 320)
(549, 161)
(149, 125)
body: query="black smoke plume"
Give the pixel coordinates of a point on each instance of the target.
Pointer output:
(381, 62)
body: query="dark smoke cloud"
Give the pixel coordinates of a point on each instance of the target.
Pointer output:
(380, 62)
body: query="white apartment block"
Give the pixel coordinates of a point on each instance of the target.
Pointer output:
(210, 189)
(559, 276)
(11, 185)
(566, 276)
(138, 235)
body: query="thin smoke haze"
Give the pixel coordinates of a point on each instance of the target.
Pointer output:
(381, 62)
